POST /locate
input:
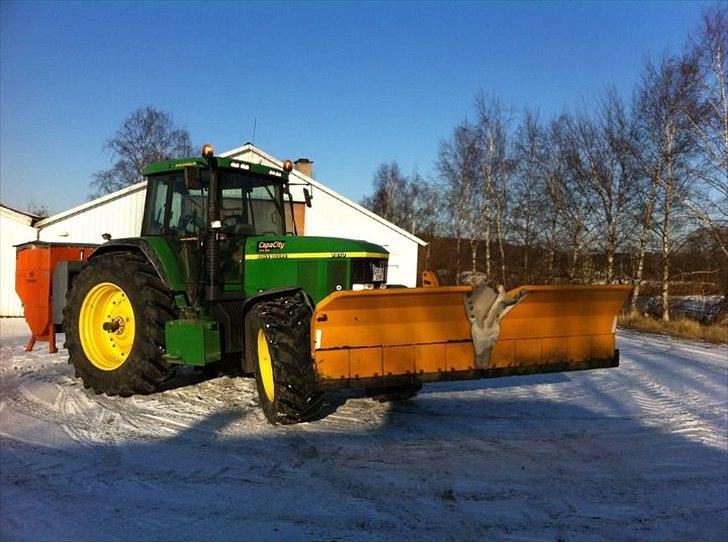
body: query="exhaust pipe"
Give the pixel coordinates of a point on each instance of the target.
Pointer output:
(213, 290)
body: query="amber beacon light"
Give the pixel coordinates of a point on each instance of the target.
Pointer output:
(207, 151)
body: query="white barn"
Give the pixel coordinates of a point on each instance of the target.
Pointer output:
(15, 227)
(120, 214)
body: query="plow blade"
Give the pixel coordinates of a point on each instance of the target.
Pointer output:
(382, 337)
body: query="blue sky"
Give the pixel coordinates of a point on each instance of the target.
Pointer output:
(348, 85)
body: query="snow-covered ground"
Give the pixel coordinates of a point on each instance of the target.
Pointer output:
(637, 452)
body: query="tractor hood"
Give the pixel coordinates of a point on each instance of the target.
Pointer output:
(287, 246)
(319, 265)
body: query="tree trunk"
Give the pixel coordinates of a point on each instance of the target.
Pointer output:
(611, 249)
(644, 238)
(487, 249)
(473, 254)
(667, 204)
(610, 266)
(552, 257)
(457, 262)
(637, 281)
(665, 282)
(665, 268)
(574, 260)
(502, 254)
(553, 245)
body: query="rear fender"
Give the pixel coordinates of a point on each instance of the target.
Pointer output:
(157, 251)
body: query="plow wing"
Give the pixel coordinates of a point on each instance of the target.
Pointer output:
(381, 337)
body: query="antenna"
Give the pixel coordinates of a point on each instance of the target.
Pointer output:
(255, 126)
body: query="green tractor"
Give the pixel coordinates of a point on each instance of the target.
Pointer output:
(215, 273)
(219, 273)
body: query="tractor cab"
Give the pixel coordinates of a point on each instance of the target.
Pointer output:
(251, 200)
(230, 226)
(207, 208)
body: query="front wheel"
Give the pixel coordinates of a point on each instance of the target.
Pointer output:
(277, 336)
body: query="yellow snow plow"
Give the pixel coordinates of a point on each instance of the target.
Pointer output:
(375, 338)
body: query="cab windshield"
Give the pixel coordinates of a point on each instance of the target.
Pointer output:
(249, 205)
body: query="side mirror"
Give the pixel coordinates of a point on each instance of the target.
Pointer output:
(192, 178)
(307, 196)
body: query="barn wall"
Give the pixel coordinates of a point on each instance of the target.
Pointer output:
(12, 233)
(120, 216)
(330, 216)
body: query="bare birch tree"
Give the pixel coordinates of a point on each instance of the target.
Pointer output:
(456, 167)
(147, 135)
(408, 201)
(600, 160)
(427, 211)
(709, 125)
(529, 206)
(570, 200)
(492, 129)
(389, 197)
(666, 91)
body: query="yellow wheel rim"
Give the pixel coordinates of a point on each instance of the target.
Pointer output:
(265, 365)
(106, 326)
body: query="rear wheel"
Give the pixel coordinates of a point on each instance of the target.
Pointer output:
(393, 393)
(114, 324)
(277, 333)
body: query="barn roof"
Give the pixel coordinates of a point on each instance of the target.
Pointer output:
(91, 204)
(24, 217)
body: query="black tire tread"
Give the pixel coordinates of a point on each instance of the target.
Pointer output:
(145, 371)
(286, 323)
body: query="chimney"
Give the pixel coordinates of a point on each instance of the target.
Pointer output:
(305, 166)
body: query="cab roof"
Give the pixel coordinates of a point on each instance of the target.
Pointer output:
(168, 166)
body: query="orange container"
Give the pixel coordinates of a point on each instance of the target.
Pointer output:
(35, 263)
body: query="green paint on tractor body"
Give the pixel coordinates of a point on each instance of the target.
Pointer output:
(258, 251)
(319, 265)
(192, 342)
(172, 166)
(169, 260)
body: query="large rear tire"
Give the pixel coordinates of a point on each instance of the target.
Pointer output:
(277, 336)
(114, 323)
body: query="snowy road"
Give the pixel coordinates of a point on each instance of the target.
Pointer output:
(640, 451)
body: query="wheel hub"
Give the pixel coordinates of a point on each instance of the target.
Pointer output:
(106, 326)
(115, 325)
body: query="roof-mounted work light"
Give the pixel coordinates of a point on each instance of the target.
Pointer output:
(207, 151)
